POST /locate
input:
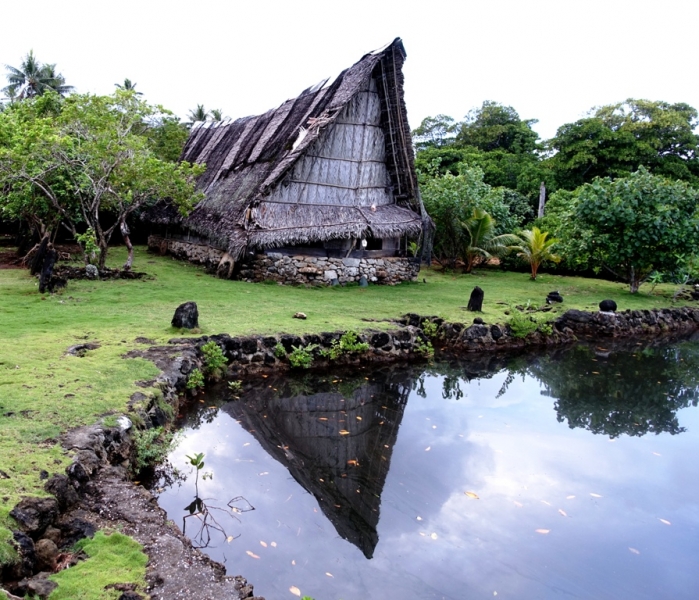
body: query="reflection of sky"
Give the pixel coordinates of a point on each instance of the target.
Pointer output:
(523, 465)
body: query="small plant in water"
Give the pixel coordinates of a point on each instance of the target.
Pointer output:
(235, 386)
(214, 360)
(195, 379)
(151, 446)
(429, 328)
(301, 357)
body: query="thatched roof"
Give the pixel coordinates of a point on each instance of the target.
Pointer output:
(285, 177)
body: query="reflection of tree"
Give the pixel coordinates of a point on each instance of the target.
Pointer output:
(613, 393)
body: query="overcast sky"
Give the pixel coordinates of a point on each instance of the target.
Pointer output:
(550, 60)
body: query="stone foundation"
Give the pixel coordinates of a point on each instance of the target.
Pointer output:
(297, 269)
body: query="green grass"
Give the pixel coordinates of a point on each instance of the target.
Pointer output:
(44, 392)
(114, 558)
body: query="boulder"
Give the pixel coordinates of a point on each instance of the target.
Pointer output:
(554, 297)
(475, 302)
(46, 554)
(92, 272)
(607, 306)
(34, 515)
(186, 316)
(61, 487)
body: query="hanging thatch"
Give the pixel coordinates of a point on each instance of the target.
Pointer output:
(334, 163)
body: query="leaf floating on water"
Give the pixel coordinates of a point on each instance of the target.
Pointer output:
(562, 512)
(595, 495)
(472, 495)
(664, 521)
(273, 544)
(322, 418)
(518, 504)
(595, 372)
(329, 574)
(419, 518)
(263, 544)
(428, 448)
(633, 550)
(433, 536)
(229, 539)
(657, 454)
(344, 432)
(246, 444)
(353, 463)
(569, 497)
(252, 554)
(295, 591)
(359, 418)
(546, 503)
(543, 531)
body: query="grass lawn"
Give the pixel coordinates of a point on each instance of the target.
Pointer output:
(44, 392)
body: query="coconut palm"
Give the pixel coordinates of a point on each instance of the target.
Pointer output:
(216, 114)
(33, 78)
(482, 243)
(198, 114)
(534, 247)
(128, 86)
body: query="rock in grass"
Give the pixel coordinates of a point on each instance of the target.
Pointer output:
(300, 315)
(475, 302)
(186, 316)
(607, 306)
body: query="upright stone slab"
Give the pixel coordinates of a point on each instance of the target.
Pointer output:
(475, 302)
(186, 316)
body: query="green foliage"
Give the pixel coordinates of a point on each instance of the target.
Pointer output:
(113, 559)
(33, 78)
(619, 138)
(546, 328)
(435, 132)
(521, 324)
(302, 358)
(88, 241)
(429, 328)
(534, 246)
(214, 359)
(481, 242)
(633, 225)
(8, 553)
(235, 386)
(425, 348)
(347, 344)
(195, 379)
(279, 350)
(151, 447)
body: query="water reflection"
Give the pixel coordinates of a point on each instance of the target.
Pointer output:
(336, 437)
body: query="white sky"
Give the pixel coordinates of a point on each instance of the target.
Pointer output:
(551, 60)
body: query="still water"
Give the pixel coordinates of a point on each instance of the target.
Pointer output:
(568, 475)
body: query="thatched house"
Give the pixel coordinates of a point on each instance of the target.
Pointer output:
(322, 188)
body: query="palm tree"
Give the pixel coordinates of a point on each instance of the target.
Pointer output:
(33, 78)
(482, 243)
(198, 114)
(216, 114)
(128, 86)
(535, 248)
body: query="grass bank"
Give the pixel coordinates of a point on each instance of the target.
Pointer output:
(44, 392)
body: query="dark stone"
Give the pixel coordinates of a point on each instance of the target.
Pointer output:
(61, 487)
(478, 321)
(495, 332)
(554, 297)
(475, 302)
(24, 545)
(312, 338)
(363, 282)
(476, 331)
(34, 515)
(43, 474)
(46, 553)
(288, 341)
(4, 475)
(576, 316)
(39, 586)
(269, 342)
(607, 306)
(82, 349)
(379, 340)
(130, 596)
(334, 282)
(84, 464)
(38, 260)
(157, 416)
(186, 316)
(249, 345)
(47, 269)
(75, 530)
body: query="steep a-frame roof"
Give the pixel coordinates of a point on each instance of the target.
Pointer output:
(248, 159)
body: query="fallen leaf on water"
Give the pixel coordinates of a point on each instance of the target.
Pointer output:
(428, 448)
(344, 432)
(433, 536)
(664, 521)
(251, 554)
(595, 372)
(543, 531)
(472, 495)
(273, 544)
(329, 574)
(595, 495)
(569, 497)
(353, 463)
(518, 504)
(419, 518)
(657, 454)
(562, 512)
(212, 406)
(246, 444)
(546, 503)
(263, 544)
(293, 562)
(295, 591)
(229, 539)
(359, 418)
(322, 418)
(633, 550)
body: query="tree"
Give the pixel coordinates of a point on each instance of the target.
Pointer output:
(481, 241)
(450, 200)
(535, 247)
(619, 138)
(128, 86)
(87, 161)
(435, 132)
(198, 114)
(33, 78)
(635, 225)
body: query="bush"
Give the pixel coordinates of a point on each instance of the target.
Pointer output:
(151, 447)
(348, 343)
(521, 325)
(195, 380)
(214, 359)
(301, 357)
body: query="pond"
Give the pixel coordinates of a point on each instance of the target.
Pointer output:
(570, 474)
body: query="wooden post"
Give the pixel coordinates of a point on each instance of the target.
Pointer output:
(542, 199)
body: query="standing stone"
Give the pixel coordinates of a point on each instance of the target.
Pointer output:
(607, 306)
(363, 281)
(475, 302)
(186, 316)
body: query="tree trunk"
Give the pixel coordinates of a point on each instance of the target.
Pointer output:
(634, 281)
(124, 228)
(535, 269)
(542, 199)
(103, 255)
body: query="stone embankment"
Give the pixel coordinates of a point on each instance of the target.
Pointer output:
(95, 492)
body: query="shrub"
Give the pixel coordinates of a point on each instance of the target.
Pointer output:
(429, 328)
(348, 343)
(521, 325)
(301, 357)
(151, 446)
(195, 380)
(279, 351)
(214, 359)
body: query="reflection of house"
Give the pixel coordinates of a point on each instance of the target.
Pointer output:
(336, 445)
(327, 178)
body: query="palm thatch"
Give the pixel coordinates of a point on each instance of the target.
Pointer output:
(334, 163)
